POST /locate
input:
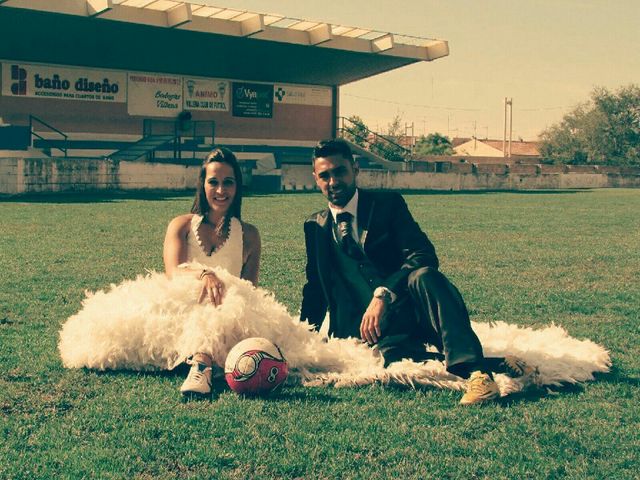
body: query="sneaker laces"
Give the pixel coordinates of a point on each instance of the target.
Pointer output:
(198, 373)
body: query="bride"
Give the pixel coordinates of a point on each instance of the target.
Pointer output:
(212, 235)
(207, 300)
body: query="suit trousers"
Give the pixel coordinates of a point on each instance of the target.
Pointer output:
(439, 318)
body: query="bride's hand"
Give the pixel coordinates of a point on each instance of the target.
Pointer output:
(212, 288)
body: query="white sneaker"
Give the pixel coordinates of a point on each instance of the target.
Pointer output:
(199, 379)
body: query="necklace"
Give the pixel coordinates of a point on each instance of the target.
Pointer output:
(220, 230)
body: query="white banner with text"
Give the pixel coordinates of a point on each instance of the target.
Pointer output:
(319, 96)
(206, 94)
(154, 95)
(64, 83)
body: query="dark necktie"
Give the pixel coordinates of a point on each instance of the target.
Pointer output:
(345, 239)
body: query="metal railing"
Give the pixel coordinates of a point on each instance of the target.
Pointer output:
(188, 128)
(65, 138)
(180, 129)
(369, 140)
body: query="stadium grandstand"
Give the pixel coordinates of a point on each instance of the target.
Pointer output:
(163, 80)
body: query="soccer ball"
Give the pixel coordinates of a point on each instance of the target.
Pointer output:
(255, 366)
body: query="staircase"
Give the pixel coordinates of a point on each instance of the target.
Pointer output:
(377, 149)
(182, 135)
(46, 144)
(144, 147)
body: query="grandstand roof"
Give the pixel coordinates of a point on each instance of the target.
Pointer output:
(181, 37)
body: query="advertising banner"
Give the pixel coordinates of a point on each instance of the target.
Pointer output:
(252, 100)
(211, 95)
(319, 96)
(154, 95)
(63, 83)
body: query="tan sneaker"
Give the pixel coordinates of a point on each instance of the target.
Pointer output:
(516, 367)
(480, 388)
(198, 381)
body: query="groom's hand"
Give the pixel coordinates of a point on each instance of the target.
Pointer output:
(372, 319)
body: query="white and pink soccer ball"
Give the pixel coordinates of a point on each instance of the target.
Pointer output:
(255, 366)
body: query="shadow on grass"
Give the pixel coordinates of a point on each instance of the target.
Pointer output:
(615, 376)
(286, 394)
(163, 195)
(525, 396)
(97, 196)
(110, 196)
(180, 371)
(282, 396)
(544, 393)
(292, 393)
(493, 192)
(531, 395)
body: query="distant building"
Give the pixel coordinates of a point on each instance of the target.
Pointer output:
(474, 147)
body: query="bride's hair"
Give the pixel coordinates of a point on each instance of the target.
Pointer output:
(222, 155)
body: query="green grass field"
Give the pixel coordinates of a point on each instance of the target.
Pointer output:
(569, 257)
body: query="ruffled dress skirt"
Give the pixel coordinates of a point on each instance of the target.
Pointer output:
(153, 322)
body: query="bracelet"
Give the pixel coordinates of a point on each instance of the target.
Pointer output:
(204, 273)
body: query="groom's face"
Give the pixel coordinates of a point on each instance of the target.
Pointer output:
(336, 178)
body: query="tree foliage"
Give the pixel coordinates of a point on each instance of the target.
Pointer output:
(605, 130)
(395, 129)
(387, 146)
(356, 131)
(433, 144)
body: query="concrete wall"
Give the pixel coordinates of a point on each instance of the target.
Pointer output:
(477, 159)
(483, 177)
(34, 175)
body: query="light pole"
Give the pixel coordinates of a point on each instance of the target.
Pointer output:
(508, 102)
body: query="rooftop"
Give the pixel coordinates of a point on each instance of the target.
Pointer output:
(518, 147)
(199, 39)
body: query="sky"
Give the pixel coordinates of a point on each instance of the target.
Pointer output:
(546, 55)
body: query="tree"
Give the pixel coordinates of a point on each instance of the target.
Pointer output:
(387, 146)
(605, 130)
(433, 144)
(394, 129)
(355, 130)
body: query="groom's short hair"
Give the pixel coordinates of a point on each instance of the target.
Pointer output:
(334, 146)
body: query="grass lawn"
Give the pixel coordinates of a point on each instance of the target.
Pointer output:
(569, 257)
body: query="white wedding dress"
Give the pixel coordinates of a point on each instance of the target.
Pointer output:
(227, 256)
(153, 322)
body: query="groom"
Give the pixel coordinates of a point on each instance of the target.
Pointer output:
(374, 269)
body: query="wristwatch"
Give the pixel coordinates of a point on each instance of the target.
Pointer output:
(384, 294)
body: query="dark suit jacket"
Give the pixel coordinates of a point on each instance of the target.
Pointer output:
(392, 240)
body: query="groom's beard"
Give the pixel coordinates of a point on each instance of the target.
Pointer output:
(339, 197)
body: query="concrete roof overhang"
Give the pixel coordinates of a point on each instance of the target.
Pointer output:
(177, 37)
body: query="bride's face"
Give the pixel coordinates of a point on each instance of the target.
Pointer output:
(219, 186)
